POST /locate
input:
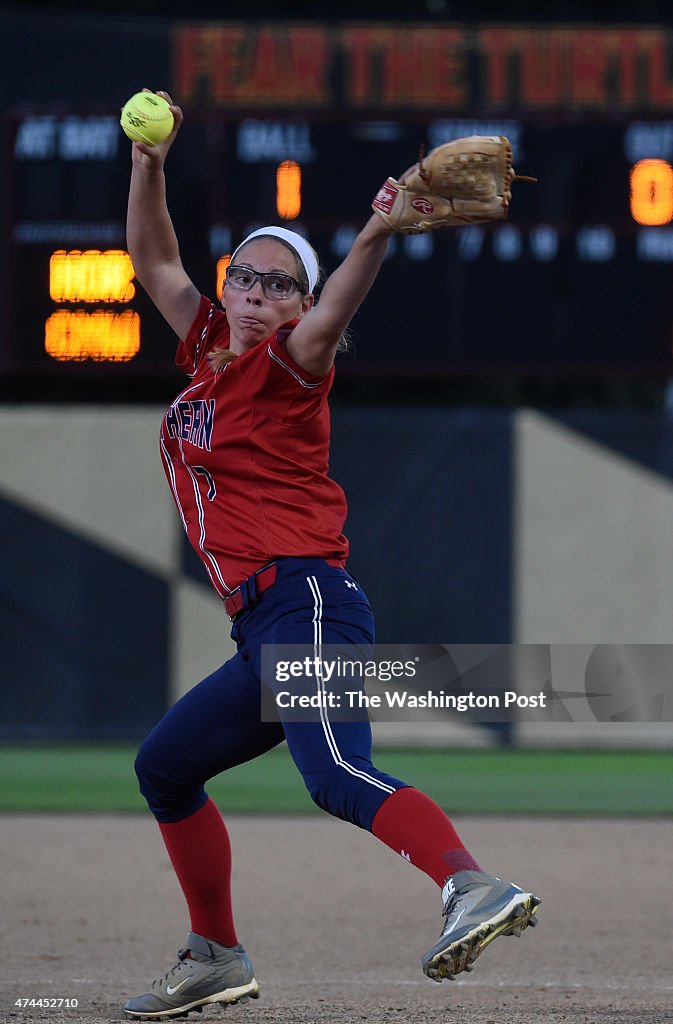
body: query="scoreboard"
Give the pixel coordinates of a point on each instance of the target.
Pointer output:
(577, 281)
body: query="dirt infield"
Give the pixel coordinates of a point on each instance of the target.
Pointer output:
(336, 924)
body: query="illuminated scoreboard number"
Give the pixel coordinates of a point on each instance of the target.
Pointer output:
(652, 192)
(648, 146)
(91, 277)
(288, 190)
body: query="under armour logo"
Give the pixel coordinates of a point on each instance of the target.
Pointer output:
(349, 583)
(406, 855)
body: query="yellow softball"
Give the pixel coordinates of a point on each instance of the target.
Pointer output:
(147, 117)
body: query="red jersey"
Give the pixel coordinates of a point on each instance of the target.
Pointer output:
(246, 453)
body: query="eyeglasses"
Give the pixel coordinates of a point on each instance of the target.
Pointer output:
(274, 286)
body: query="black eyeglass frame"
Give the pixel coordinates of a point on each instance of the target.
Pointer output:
(257, 275)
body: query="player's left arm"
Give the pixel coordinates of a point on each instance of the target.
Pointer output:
(313, 342)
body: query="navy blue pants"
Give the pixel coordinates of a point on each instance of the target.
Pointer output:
(218, 724)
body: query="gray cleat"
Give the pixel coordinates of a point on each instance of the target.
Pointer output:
(206, 972)
(477, 908)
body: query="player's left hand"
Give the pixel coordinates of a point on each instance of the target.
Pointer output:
(467, 181)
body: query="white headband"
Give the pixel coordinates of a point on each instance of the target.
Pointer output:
(299, 244)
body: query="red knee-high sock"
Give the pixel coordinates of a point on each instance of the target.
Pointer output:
(200, 852)
(413, 825)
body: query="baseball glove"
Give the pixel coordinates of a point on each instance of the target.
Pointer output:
(467, 181)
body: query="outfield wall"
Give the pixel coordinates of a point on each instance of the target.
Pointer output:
(467, 526)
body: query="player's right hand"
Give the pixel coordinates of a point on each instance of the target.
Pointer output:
(144, 155)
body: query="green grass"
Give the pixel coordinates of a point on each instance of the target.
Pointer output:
(101, 779)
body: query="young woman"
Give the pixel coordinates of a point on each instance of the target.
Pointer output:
(245, 449)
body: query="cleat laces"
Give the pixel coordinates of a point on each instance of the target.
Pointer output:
(183, 955)
(452, 910)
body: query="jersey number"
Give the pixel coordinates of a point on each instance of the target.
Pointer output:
(212, 490)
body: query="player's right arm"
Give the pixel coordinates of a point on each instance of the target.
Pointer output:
(151, 239)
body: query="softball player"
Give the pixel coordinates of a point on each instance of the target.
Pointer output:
(245, 450)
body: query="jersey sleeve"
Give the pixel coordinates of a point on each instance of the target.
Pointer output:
(210, 330)
(282, 388)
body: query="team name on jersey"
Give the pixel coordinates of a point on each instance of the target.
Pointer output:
(192, 421)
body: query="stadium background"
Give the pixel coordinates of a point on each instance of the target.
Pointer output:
(509, 477)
